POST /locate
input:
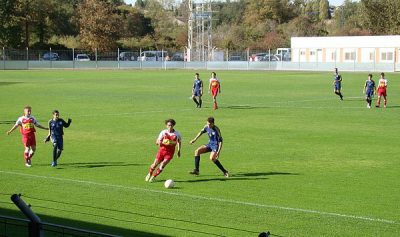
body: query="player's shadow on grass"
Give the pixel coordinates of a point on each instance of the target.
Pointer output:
(246, 107)
(257, 174)
(237, 176)
(7, 122)
(6, 83)
(97, 164)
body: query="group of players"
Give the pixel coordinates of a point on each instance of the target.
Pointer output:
(369, 88)
(167, 140)
(27, 124)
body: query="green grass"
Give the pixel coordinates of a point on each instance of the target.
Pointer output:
(303, 163)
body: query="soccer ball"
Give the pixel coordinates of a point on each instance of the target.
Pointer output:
(169, 183)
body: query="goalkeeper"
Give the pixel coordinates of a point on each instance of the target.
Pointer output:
(56, 132)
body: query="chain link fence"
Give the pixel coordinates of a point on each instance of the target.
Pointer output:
(347, 59)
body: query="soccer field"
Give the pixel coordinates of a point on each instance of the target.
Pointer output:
(302, 162)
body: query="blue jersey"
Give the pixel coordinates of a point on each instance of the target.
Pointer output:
(369, 85)
(214, 135)
(337, 78)
(197, 85)
(56, 127)
(369, 88)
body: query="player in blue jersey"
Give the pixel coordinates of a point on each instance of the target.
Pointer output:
(369, 88)
(56, 132)
(214, 146)
(337, 84)
(197, 90)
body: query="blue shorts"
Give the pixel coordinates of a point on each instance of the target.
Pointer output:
(58, 142)
(212, 147)
(338, 86)
(197, 93)
(369, 93)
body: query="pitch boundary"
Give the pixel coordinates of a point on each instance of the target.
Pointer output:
(370, 219)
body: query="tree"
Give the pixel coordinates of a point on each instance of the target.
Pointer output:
(381, 17)
(323, 10)
(347, 19)
(99, 26)
(10, 30)
(258, 11)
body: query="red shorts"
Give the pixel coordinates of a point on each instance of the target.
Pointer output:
(214, 91)
(29, 139)
(382, 92)
(164, 155)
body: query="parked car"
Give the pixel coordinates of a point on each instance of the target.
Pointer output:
(128, 56)
(178, 57)
(270, 57)
(82, 57)
(153, 55)
(50, 56)
(235, 58)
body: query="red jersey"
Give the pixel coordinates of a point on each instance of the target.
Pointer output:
(214, 82)
(168, 140)
(27, 124)
(382, 84)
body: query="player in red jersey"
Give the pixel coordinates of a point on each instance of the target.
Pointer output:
(167, 140)
(215, 88)
(381, 91)
(27, 125)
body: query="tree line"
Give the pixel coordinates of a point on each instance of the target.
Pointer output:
(156, 24)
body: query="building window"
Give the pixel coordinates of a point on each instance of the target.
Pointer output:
(333, 58)
(372, 56)
(312, 53)
(350, 56)
(302, 53)
(387, 56)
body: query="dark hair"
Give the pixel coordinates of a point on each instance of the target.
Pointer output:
(197, 74)
(55, 111)
(170, 121)
(370, 75)
(210, 119)
(215, 74)
(382, 74)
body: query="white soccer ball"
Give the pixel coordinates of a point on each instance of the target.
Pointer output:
(169, 183)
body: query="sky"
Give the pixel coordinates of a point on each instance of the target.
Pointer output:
(332, 2)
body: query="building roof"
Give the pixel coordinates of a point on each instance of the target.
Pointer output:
(381, 41)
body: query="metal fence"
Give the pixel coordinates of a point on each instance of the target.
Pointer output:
(348, 59)
(11, 226)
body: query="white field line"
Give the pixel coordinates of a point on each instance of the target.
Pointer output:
(370, 219)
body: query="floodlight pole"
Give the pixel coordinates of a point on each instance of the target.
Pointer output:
(35, 224)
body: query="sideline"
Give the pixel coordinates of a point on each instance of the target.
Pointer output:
(370, 219)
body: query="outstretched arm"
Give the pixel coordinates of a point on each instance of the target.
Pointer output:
(179, 148)
(194, 139)
(12, 129)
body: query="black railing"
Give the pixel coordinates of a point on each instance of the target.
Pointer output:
(34, 227)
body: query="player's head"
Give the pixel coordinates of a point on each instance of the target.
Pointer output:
(56, 114)
(336, 70)
(196, 75)
(213, 75)
(170, 123)
(210, 121)
(27, 110)
(382, 75)
(370, 76)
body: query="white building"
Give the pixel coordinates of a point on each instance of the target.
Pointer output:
(346, 49)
